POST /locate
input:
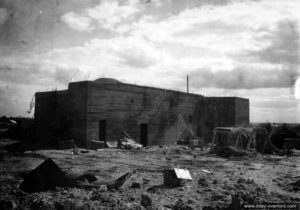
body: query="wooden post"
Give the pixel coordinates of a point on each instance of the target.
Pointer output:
(187, 83)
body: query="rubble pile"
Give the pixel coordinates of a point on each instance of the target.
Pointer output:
(127, 143)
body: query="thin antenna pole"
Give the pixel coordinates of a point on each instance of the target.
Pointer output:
(187, 83)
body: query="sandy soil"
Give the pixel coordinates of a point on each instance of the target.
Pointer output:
(257, 179)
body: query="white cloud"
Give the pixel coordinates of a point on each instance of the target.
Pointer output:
(243, 77)
(228, 47)
(240, 20)
(182, 44)
(242, 35)
(107, 15)
(77, 22)
(110, 13)
(97, 58)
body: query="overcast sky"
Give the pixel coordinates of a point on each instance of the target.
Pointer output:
(228, 48)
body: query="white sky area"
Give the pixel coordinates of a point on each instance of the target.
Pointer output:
(240, 48)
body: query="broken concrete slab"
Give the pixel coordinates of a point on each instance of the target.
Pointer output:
(46, 176)
(112, 144)
(97, 144)
(182, 174)
(176, 176)
(116, 184)
(119, 182)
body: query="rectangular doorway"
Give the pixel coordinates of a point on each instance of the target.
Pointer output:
(102, 130)
(144, 134)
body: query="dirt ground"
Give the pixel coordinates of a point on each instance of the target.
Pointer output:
(256, 179)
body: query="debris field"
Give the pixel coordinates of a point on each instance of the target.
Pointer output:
(217, 183)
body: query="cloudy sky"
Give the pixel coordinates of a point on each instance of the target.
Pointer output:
(228, 48)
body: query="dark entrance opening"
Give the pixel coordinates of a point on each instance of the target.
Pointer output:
(144, 134)
(102, 130)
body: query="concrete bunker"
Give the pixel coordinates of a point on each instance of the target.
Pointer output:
(102, 109)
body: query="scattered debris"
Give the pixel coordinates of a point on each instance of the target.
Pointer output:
(220, 183)
(169, 206)
(126, 135)
(188, 142)
(116, 184)
(119, 182)
(111, 144)
(273, 157)
(127, 143)
(176, 176)
(97, 144)
(84, 151)
(7, 122)
(12, 122)
(206, 171)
